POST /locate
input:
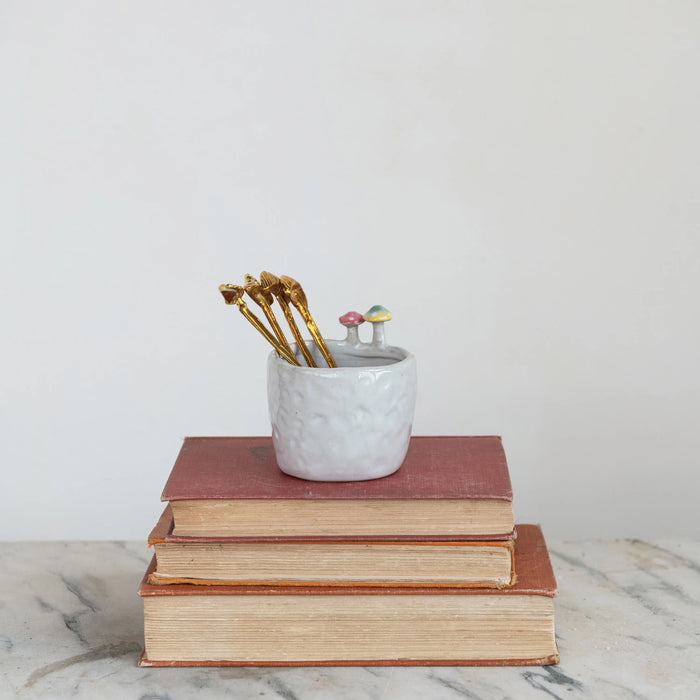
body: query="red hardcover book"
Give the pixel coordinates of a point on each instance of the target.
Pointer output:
(448, 488)
(314, 562)
(188, 625)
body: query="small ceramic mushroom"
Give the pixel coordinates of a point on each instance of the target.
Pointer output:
(376, 316)
(352, 320)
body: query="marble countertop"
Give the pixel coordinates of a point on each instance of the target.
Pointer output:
(627, 618)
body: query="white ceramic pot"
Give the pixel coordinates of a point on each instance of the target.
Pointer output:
(349, 423)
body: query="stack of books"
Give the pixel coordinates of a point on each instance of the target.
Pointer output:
(253, 567)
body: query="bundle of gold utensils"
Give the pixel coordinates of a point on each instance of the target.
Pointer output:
(288, 292)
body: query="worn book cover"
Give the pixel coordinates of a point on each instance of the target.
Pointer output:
(449, 487)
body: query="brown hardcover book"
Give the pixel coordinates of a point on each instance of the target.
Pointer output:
(447, 488)
(349, 562)
(189, 625)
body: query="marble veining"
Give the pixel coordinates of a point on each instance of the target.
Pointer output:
(627, 617)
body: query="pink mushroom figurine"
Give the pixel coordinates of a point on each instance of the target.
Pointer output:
(352, 320)
(377, 315)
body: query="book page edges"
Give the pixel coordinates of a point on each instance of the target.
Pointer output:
(532, 572)
(163, 532)
(321, 518)
(485, 581)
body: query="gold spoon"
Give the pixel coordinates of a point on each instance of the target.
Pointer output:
(296, 296)
(264, 300)
(233, 294)
(271, 283)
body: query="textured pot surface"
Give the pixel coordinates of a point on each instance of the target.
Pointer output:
(349, 423)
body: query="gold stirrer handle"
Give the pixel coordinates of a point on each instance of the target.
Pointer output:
(297, 297)
(264, 300)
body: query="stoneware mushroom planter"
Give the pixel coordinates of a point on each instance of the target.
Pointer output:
(349, 423)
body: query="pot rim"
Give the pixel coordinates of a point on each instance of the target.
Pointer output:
(407, 357)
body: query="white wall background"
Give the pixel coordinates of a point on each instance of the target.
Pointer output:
(518, 182)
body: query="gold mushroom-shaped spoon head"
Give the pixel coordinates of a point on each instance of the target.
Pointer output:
(272, 284)
(231, 293)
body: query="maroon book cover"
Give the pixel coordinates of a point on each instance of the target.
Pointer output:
(436, 467)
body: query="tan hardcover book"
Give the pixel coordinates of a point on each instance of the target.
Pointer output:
(449, 487)
(420, 562)
(189, 625)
